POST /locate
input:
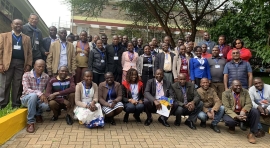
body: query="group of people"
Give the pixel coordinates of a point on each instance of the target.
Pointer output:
(88, 77)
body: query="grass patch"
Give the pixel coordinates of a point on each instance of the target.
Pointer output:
(266, 80)
(7, 110)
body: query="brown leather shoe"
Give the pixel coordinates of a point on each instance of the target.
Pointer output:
(30, 128)
(39, 119)
(251, 138)
(231, 130)
(260, 134)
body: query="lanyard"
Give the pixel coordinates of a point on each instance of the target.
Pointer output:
(216, 60)
(158, 90)
(236, 97)
(37, 79)
(221, 47)
(17, 39)
(166, 56)
(133, 89)
(131, 56)
(184, 91)
(82, 45)
(64, 45)
(101, 53)
(109, 92)
(115, 50)
(261, 95)
(183, 58)
(86, 92)
(201, 60)
(207, 43)
(62, 88)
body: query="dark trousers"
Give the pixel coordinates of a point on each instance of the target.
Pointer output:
(198, 82)
(150, 108)
(219, 88)
(145, 78)
(192, 114)
(118, 76)
(253, 118)
(12, 79)
(67, 104)
(79, 74)
(98, 78)
(136, 109)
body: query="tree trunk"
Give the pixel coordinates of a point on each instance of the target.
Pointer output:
(193, 33)
(169, 33)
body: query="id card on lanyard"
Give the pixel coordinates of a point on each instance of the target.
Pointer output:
(115, 53)
(17, 46)
(82, 45)
(102, 56)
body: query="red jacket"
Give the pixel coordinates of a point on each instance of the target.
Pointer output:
(245, 54)
(206, 55)
(225, 50)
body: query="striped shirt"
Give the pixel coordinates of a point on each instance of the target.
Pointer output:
(30, 83)
(63, 87)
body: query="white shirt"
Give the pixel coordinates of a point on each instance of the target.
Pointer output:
(256, 96)
(63, 55)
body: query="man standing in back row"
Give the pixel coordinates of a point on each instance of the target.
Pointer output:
(30, 29)
(15, 59)
(206, 40)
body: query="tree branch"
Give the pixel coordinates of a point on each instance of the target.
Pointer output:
(215, 8)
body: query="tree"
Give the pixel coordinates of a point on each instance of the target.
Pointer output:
(250, 21)
(185, 15)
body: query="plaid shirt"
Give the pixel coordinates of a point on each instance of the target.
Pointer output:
(30, 85)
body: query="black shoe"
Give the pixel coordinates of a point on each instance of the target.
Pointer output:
(190, 124)
(54, 118)
(137, 118)
(69, 120)
(215, 128)
(177, 123)
(126, 118)
(112, 121)
(148, 122)
(107, 120)
(163, 121)
(203, 124)
(242, 126)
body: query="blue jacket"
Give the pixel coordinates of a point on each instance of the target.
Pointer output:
(196, 72)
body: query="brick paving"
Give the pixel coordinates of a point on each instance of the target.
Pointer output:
(58, 134)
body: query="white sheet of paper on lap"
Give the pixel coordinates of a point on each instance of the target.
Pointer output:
(164, 111)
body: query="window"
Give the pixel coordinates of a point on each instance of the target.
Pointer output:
(101, 30)
(80, 29)
(114, 7)
(113, 32)
(7, 9)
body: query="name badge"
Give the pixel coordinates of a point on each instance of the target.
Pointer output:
(221, 54)
(81, 54)
(208, 48)
(185, 67)
(102, 61)
(217, 66)
(201, 67)
(150, 65)
(37, 42)
(115, 58)
(17, 47)
(110, 101)
(132, 64)
(167, 62)
(237, 107)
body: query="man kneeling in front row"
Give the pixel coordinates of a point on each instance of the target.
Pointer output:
(61, 94)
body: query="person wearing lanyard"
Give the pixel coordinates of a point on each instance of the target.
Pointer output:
(110, 98)
(223, 47)
(15, 59)
(82, 52)
(199, 67)
(155, 89)
(114, 54)
(60, 93)
(217, 64)
(88, 110)
(205, 54)
(62, 53)
(33, 97)
(129, 60)
(132, 95)
(97, 62)
(30, 29)
(206, 40)
(180, 42)
(145, 65)
(260, 96)
(238, 110)
(181, 63)
(187, 101)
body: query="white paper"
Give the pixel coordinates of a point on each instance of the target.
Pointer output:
(164, 111)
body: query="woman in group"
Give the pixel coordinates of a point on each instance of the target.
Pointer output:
(129, 60)
(198, 67)
(181, 63)
(110, 98)
(97, 62)
(88, 110)
(245, 53)
(82, 52)
(132, 89)
(145, 65)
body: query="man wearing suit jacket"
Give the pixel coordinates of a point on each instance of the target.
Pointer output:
(48, 40)
(164, 61)
(15, 59)
(62, 53)
(114, 54)
(155, 89)
(188, 101)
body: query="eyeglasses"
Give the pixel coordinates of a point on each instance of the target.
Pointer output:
(235, 53)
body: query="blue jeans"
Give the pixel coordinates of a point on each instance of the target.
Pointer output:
(136, 109)
(218, 115)
(34, 105)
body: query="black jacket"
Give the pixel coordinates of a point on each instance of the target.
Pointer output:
(114, 65)
(94, 61)
(37, 49)
(159, 60)
(127, 92)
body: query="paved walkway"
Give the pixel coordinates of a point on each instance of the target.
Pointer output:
(58, 134)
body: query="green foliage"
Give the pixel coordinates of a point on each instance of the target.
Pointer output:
(7, 110)
(251, 23)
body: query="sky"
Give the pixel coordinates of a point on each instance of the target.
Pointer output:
(51, 10)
